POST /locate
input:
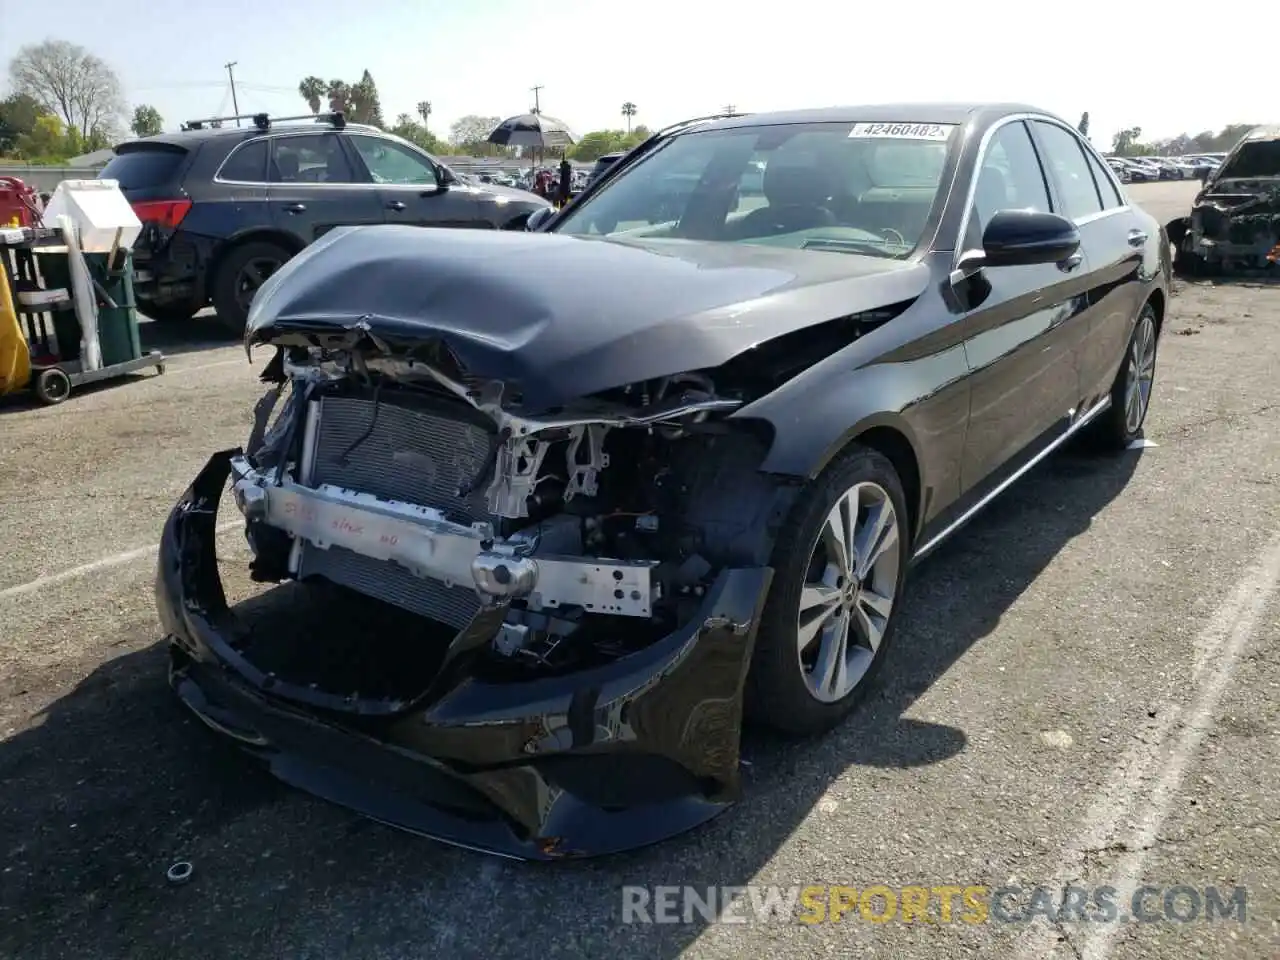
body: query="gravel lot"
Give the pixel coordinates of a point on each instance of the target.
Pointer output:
(1086, 688)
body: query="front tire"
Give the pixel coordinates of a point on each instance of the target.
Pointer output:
(839, 567)
(1122, 422)
(241, 273)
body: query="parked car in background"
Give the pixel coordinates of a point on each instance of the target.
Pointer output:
(223, 208)
(667, 458)
(1137, 172)
(1120, 169)
(602, 165)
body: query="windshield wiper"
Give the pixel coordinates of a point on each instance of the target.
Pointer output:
(848, 246)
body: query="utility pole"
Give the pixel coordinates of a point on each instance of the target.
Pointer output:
(730, 108)
(235, 104)
(537, 103)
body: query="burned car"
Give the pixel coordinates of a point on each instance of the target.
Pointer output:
(1234, 224)
(556, 509)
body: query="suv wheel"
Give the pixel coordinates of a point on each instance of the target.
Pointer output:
(243, 271)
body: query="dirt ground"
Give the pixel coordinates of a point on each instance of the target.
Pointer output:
(1085, 688)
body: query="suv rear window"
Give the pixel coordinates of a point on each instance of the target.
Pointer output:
(151, 167)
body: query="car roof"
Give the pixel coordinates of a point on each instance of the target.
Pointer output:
(881, 113)
(187, 139)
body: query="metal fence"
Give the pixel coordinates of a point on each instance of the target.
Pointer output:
(45, 179)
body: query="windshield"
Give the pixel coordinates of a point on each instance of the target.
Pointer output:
(846, 187)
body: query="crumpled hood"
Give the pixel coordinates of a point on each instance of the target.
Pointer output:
(560, 317)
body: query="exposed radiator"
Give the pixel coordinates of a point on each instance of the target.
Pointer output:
(420, 452)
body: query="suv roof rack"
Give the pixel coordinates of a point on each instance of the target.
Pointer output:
(335, 118)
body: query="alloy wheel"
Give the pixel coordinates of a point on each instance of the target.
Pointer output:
(849, 591)
(1140, 373)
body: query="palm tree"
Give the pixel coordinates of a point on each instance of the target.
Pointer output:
(313, 90)
(424, 111)
(629, 110)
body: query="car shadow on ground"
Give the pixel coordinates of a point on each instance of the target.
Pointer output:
(114, 781)
(202, 332)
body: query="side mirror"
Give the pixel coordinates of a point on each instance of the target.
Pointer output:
(539, 218)
(1016, 238)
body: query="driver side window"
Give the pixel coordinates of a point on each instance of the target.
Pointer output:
(1010, 178)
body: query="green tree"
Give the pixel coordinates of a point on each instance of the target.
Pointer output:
(68, 80)
(365, 106)
(424, 111)
(1084, 124)
(597, 143)
(313, 90)
(1127, 143)
(339, 94)
(629, 111)
(47, 140)
(18, 115)
(147, 121)
(417, 133)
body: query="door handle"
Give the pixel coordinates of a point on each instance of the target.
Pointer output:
(1137, 238)
(295, 208)
(1069, 264)
(395, 205)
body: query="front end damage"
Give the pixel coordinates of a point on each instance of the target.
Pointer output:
(523, 634)
(1234, 225)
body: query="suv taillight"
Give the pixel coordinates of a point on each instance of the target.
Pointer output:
(164, 213)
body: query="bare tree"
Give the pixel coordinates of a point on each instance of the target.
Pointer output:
(68, 80)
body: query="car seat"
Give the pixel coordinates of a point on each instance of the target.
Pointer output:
(797, 196)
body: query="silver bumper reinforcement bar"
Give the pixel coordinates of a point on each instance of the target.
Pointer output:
(425, 542)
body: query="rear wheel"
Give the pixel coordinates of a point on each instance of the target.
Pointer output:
(243, 271)
(52, 386)
(839, 567)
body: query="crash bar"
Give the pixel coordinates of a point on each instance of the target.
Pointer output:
(423, 541)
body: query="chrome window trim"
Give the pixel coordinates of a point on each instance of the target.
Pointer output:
(985, 143)
(279, 136)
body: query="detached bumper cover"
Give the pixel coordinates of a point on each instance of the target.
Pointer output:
(598, 761)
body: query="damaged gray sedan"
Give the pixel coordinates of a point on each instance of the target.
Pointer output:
(565, 504)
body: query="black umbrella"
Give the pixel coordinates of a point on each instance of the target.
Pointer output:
(532, 130)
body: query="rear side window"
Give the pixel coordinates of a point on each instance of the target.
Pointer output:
(1106, 186)
(136, 169)
(247, 163)
(310, 158)
(1078, 195)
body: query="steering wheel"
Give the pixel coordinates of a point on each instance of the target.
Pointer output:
(900, 241)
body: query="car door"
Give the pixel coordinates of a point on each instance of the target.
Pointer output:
(412, 189)
(1023, 325)
(1116, 242)
(313, 186)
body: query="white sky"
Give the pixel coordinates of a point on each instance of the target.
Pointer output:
(1147, 64)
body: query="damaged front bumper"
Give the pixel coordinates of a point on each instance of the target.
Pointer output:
(589, 762)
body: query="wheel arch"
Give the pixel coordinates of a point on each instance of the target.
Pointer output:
(888, 433)
(1159, 301)
(280, 238)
